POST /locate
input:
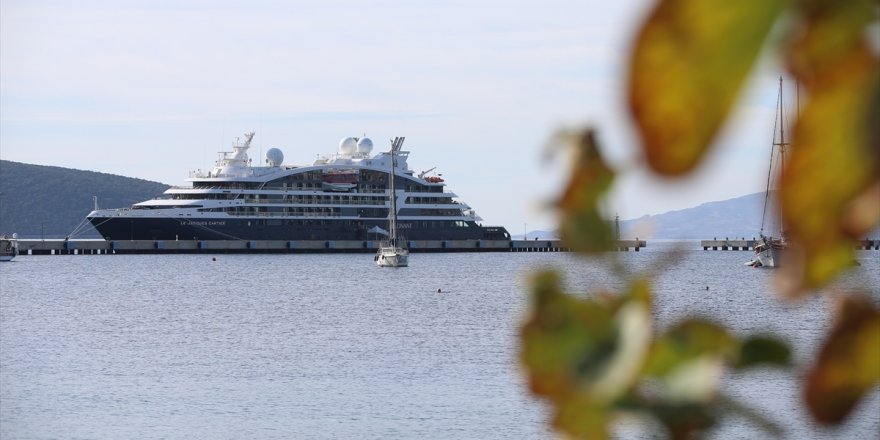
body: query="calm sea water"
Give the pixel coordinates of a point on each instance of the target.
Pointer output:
(329, 346)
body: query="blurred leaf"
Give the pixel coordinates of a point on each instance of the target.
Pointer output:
(690, 60)
(585, 354)
(582, 224)
(565, 341)
(683, 420)
(689, 359)
(633, 323)
(761, 350)
(583, 419)
(686, 341)
(833, 165)
(849, 363)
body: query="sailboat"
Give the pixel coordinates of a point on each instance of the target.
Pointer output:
(770, 247)
(391, 253)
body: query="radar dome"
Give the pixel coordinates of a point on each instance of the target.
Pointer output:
(274, 157)
(364, 146)
(348, 146)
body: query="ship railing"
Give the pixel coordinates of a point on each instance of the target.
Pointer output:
(316, 189)
(312, 202)
(284, 214)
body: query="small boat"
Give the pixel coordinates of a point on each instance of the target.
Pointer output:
(769, 249)
(768, 252)
(8, 247)
(391, 253)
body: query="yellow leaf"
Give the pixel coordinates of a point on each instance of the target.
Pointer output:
(690, 60)
(849, 363)
(833, 164)
(582, 419)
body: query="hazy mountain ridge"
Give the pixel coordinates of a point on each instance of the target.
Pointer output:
(738, 217)
(48, 201)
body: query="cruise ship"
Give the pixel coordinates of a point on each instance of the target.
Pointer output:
(344, 196)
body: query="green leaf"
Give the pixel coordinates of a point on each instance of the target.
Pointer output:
(583, 419)
(584, 355)
(583, 225)
(689, 359)
(763, 350)
(849, 363)
(687, 341)
(565, 341)
(689, 63)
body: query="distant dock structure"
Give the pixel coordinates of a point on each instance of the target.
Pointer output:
(749, 244)
(104, 247)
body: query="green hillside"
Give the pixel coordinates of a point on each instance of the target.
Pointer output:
(46, 201)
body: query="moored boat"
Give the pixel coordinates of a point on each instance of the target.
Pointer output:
(8, 247)
(392, 253)
(770, 247)
(343, 196)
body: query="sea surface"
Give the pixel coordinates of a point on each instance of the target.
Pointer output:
(332, 347)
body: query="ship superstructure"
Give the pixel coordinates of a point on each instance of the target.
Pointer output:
(344, 196)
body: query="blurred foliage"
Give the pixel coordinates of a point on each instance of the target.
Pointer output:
(849, 363)
(595, 357)
(583, 225)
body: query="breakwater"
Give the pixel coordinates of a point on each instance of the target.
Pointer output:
(748, 245)
(101, 247)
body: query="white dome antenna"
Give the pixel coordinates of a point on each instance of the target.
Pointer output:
(274, 157)
(348, 146)
(365, 146)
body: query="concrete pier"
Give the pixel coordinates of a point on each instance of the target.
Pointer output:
(748, 245)
(102, 247)
(729, 245)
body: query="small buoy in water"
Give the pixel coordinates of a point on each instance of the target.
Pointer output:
(707, 287)
(213, 258)
(439, 290)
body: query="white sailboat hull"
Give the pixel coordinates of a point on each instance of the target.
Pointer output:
(768, 253)
(392, 257)
(766, 258)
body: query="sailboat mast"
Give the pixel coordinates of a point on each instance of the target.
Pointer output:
(396, 144)
(781, 118)
(393, 196)
(782, 145)
(782, 149)
(776, 147)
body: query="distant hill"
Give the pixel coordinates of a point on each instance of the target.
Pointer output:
(738, 217)
(40, 200)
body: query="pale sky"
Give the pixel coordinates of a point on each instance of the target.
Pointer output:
(154, 89)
